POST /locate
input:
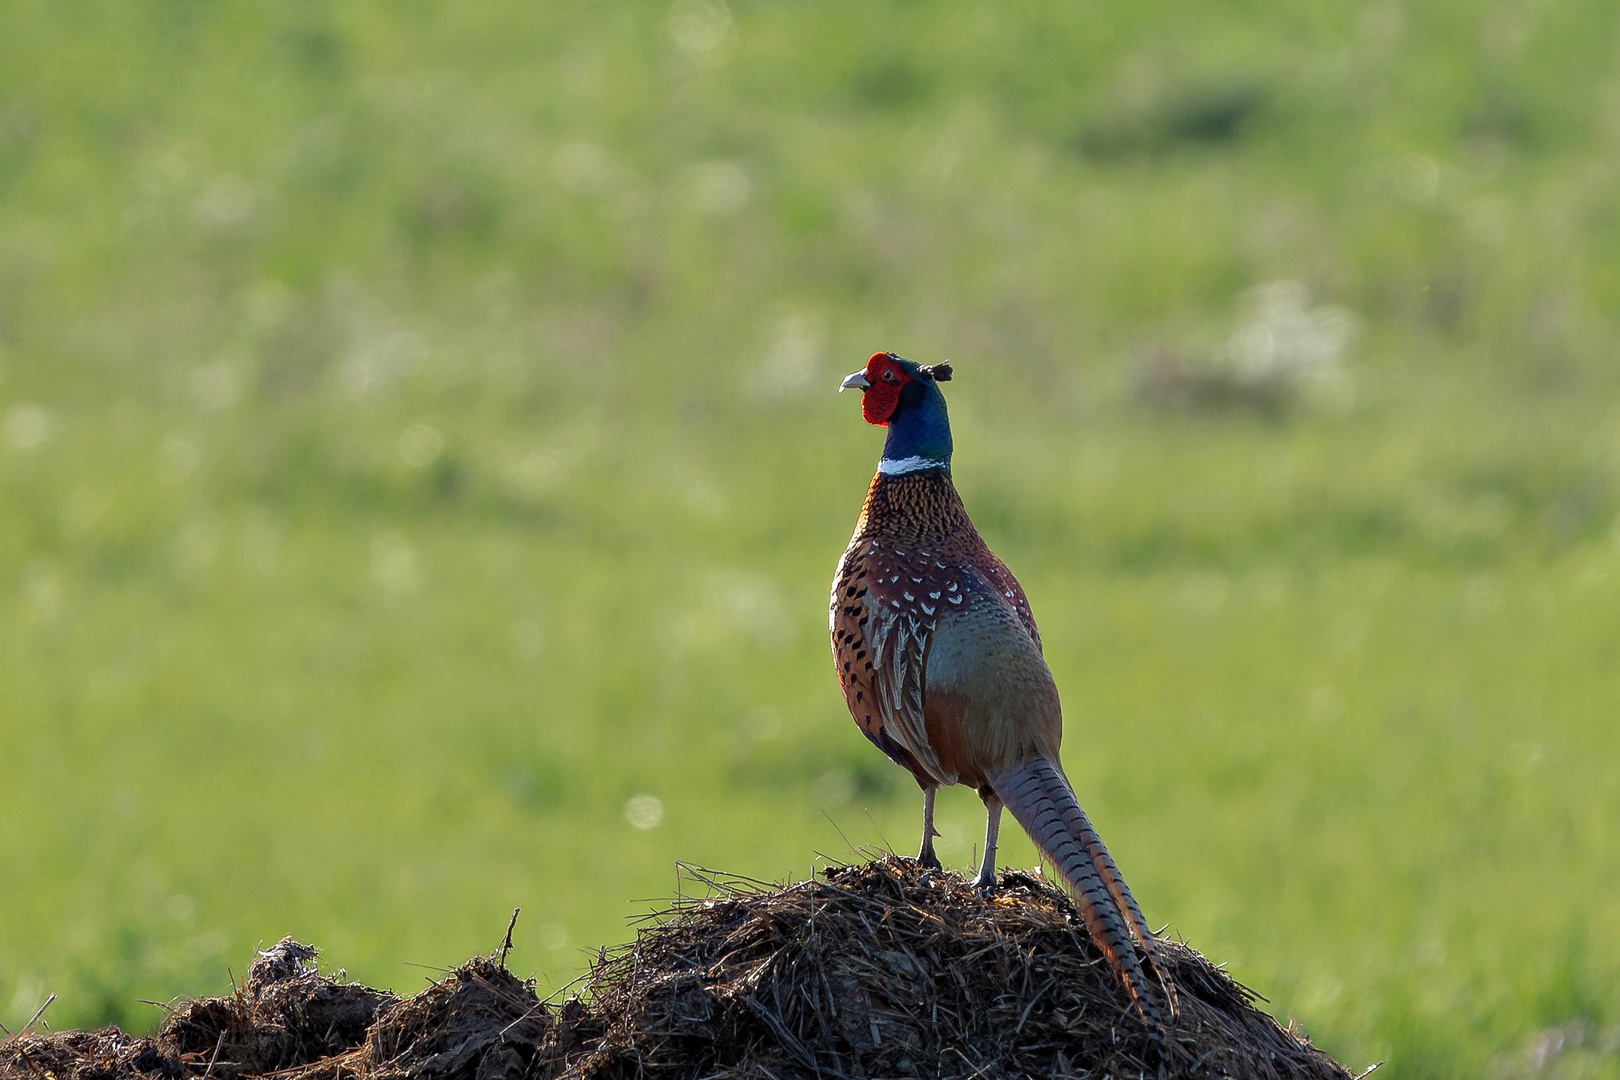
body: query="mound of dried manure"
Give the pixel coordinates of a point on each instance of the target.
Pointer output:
(875, 970)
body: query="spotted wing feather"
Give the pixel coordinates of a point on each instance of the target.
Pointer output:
(851, 619)
(887, 604)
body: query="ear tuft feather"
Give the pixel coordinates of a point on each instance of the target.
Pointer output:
(940, 372)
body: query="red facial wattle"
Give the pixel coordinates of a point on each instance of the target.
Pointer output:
(879, 400)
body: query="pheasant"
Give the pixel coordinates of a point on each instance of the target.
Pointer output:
(940, 663)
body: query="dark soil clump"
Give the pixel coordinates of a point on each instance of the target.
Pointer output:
(285, 1014)
(881, 969)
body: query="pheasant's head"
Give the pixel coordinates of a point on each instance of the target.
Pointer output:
(884, 380)
(904, 397)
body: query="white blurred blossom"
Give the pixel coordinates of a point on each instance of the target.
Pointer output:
(699, 27)
(584, 167)
(196, 547)
(534, 474)
(644, 812)
(379, 358)
(420, 445)
(528, 639)
(394, 564)
(28, 425)
(177, 458)
(41, 590)
(1281, 334)
(227, 204)
(1417, 177)
(796, 358)
(720, 188)
(217, 386)
(261, 541)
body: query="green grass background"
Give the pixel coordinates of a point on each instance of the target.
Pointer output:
(417, 439)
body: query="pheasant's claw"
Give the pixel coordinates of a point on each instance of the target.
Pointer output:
(985, 885)
(925, 855)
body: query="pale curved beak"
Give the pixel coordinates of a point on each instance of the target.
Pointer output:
(855, 380)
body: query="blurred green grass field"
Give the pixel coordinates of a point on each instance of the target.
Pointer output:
(418, 447)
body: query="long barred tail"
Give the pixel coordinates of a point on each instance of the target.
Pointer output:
(1040, 798)
(1080, 826)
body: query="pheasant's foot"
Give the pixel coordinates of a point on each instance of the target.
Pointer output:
(986, 880)
(925, 854)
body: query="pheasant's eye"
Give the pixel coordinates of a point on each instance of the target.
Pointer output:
(890, 377)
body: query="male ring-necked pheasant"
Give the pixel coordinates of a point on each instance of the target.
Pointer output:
(941, 663)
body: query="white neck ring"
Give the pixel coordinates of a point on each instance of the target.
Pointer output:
(901, 466)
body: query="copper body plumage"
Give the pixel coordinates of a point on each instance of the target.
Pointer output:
(919, 588)
(940, 662)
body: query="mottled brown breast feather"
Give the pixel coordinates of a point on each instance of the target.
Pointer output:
(911, 563)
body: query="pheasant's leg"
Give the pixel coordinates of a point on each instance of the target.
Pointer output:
(925, 855)
(992, 828)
